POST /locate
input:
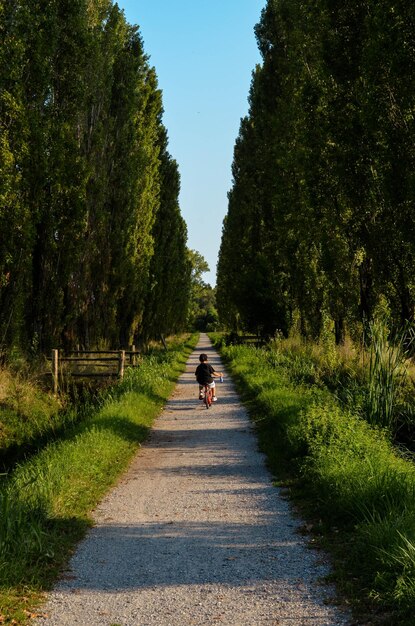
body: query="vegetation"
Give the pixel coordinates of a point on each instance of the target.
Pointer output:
(27, 414)
(92, 243)
(356, 488)
(319, 238)
(203, 315)
(45, 503)
(321, 211)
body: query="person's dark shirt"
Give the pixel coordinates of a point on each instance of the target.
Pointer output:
(204, 373)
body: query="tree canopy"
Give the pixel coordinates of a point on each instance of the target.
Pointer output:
(92, 242)
(321, 211)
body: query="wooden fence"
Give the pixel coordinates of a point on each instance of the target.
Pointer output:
(252, 340)
(93, 364)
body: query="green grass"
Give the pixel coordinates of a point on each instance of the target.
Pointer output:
(46, 502)
(345, 475)
(27, 412)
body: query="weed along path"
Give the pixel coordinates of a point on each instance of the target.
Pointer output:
(195, 533)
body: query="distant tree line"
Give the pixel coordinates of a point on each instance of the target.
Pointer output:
(321, 217)
(203, 315)
(92, 242)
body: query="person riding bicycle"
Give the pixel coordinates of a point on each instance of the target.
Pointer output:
(204, 375)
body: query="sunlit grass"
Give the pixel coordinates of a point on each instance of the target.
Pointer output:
(26, 411)
(349, 478)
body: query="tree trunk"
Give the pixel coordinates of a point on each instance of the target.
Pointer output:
(405, 296)
(339, 331)
(407, 307)
(366, 290)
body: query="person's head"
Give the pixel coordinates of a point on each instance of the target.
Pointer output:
(203, 358)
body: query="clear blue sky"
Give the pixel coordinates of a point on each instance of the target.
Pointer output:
(204, 53)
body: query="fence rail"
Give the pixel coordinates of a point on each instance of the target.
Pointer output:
(252, 340)
(65, 365)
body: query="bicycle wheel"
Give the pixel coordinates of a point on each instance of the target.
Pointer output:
(208, 399)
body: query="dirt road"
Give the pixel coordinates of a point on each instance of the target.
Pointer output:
(195, 533)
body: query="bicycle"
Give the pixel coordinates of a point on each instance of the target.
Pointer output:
(207, 398)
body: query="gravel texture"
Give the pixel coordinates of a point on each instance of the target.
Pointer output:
(195, 533)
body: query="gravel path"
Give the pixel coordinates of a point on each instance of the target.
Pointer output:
(195, 533)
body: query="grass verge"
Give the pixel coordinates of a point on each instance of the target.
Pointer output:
(27, 413)
(45, 504)
(347, 478)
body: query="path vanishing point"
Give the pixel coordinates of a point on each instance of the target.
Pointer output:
(195, 533)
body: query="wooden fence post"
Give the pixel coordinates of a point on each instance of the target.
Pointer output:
(132, 356)
(55, 370)
(121, 365)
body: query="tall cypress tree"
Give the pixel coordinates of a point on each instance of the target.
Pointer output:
(322, 195)
(15, 218)
(82, 159)
(167, 297)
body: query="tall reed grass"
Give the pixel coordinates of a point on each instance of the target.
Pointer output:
(387, 376)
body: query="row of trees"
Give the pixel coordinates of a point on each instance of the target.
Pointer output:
(321, 213)
(92, 243)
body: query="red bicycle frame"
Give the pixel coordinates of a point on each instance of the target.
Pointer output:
(208, 396)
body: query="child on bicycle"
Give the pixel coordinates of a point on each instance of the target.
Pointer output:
(204, 375)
